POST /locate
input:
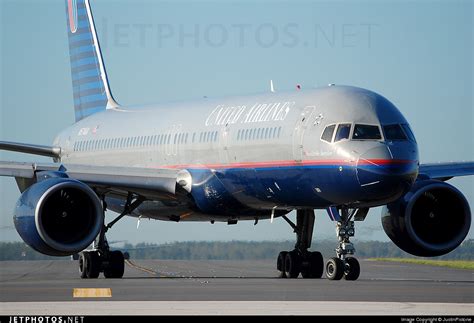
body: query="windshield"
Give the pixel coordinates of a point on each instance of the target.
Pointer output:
(394, 132)
(366, 132)
(343, 131)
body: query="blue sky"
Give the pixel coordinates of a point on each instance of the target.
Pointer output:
(419, 54)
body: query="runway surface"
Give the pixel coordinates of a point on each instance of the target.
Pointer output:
(382, 286)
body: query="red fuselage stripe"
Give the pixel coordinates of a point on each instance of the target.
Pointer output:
(287, 163)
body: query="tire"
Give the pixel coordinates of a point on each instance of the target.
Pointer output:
(93, 263)
(334, 269)
(351, 269)
(116, 266)
(315, 266)
(292, 265)
(82, 265)
(281, 263)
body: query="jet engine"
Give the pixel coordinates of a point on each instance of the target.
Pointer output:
(58, 216)
(430, 220)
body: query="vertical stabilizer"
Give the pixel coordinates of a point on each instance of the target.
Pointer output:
(89, 80)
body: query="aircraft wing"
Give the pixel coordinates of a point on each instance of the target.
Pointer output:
(41, 150)
(445, 171)
(108, 180)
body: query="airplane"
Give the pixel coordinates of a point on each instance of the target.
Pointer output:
(340, 149)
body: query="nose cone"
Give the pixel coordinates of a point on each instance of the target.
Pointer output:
(386, 172)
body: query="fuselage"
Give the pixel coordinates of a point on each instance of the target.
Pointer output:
(249, 155)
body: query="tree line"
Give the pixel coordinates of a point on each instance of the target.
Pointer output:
(235, 250)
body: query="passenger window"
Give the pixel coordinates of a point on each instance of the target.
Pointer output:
(328, 132)
(343, 131)
(366, 132)
(394, 132)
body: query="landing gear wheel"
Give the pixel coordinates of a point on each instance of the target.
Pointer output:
(292, 264)
(82, 265)
(315, 265)
(89, 264)
(116, 267)
(351, 269)
(281, 263)
(334, 269)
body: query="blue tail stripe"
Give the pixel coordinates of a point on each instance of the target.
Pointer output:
(80, 31)
(88, 54)
(85, 68)
(85, 80)
(87, 92)
(87, 86)
(90, 98)
(81, 75)
(80, 50)
(76, 37)
(81, 43)
(84, 61)
(81, 11)
(98, 103)
(83, 23)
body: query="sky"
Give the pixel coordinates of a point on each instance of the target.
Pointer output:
(418, 54)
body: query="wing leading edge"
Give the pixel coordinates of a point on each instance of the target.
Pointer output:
(446, 171)
(41, 150)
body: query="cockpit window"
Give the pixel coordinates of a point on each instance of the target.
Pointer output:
(394, 132)
(328, 132)
(409, 132)
(366, 132)
(343, 131)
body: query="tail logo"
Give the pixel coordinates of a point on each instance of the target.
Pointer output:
(72, 11)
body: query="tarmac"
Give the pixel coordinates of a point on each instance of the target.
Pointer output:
(169, 287)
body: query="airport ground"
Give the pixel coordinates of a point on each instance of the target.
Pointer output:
(233, 287)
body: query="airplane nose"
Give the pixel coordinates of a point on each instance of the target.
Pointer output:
(384, 172)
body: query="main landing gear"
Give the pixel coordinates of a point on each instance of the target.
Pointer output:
(344, 265)
(309, 263)
(101, 258)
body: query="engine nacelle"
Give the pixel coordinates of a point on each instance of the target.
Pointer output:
(58, 216)
(432, 219)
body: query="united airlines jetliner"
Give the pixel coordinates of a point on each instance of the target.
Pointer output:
(340, 149)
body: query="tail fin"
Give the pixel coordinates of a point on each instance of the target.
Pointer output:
(89, 79)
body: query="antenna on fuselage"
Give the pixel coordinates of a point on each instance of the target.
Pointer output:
(272, 89)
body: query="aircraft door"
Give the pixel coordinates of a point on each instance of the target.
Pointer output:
(300, 128)
(224, 144)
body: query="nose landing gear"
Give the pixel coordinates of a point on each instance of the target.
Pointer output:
(344, 265)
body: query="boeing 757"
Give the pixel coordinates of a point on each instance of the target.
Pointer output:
(340, 149)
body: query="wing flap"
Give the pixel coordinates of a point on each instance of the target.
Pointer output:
(445, 171)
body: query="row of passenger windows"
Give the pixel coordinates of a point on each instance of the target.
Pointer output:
(258, 133)
(145, 141)
(167, 139)
(367, 132)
